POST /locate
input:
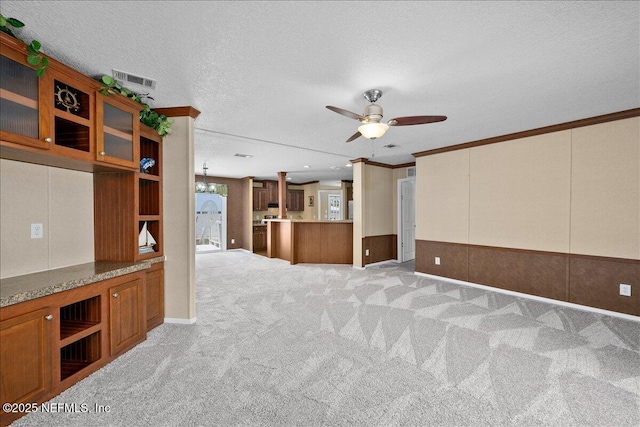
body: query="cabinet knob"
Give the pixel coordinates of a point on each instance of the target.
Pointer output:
(49, 317)
(102, 153)
(48, 140)
(115, 295)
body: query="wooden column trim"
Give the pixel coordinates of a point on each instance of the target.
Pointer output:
(282, 195)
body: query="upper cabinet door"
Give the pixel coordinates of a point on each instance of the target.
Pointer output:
(117, 129)
(72, 115)
(23, 100)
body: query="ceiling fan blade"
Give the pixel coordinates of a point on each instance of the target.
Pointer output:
(415, 120)
(346, 113)
(354, 136)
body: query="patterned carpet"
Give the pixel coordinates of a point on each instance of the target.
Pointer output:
(311, 345)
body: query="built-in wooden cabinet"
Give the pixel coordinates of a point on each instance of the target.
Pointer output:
(26, 345)
(62, 120)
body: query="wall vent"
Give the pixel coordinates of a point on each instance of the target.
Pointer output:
(411, 171)
(127, 79)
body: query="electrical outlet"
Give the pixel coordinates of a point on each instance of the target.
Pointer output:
(437, 260)
(366, 252)
(37, 231)
(233, 241)
(625, 290)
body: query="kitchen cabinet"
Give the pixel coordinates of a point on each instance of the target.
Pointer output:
(295, 200)
(259, 238)
(26, 343)
(259, 199)
(272, 191)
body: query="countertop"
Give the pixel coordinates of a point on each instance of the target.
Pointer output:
(14, 290)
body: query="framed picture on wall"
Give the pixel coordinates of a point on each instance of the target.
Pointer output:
(310, 201)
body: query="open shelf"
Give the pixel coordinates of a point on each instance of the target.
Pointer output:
(79, 355)
(79, 316)
(149, 200)
(150, 149)
(72, 135)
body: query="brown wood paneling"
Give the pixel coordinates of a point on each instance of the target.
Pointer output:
(381, 248)
(322, 243)
(454, 259)
(596, 283)
(635, 112)
(535, 273)
(115, 207)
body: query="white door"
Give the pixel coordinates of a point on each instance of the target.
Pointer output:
(335, 207)
(408, 219)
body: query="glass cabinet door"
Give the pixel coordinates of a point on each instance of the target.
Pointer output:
(118, 130)
(20, 104)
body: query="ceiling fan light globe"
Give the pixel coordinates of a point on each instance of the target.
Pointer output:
(373, 130)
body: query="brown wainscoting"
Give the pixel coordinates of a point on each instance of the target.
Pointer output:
(532, 273)
(454, 259)
(596, 283)
(381, 248)
(587, 280)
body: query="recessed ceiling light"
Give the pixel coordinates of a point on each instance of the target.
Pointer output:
(306, 166)
(288, 178)
(244, 156)
(348, 165)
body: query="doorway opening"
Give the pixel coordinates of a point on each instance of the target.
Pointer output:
(211, 219)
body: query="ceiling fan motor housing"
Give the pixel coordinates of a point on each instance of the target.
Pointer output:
(373, 113)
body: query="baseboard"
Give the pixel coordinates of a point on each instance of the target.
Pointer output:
(180, 321)
(534, 297)
(394, 261)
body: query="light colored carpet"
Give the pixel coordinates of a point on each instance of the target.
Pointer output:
(316, 345)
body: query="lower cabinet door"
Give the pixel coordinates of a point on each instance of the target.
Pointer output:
(25, 358)
(127, 318)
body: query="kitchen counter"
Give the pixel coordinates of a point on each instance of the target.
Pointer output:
(17, 289)
(310, 241)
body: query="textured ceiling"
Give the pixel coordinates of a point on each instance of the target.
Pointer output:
(262, 73)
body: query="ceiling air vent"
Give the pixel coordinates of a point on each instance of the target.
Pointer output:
(127, 79)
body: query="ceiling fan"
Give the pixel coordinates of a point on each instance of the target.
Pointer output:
(371, 127)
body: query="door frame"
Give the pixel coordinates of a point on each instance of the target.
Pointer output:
(400, 254)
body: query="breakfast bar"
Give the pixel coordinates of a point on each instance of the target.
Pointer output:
(315, 242)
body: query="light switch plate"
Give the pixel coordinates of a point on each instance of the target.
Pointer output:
(437, 260)
(625, 290)
(36, 231)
